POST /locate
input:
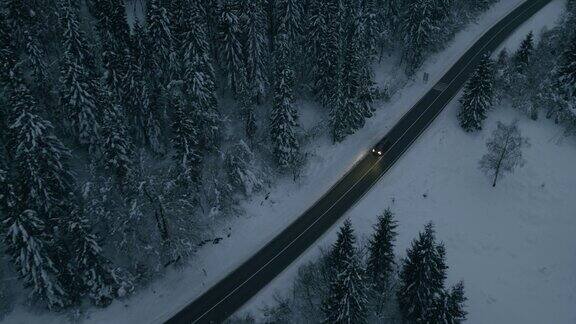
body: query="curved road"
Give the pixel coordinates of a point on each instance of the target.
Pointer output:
(228, 295)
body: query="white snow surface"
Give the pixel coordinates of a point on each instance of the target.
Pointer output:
(524, 228)
(513, 246)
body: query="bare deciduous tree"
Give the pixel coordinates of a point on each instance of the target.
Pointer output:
(504, 151)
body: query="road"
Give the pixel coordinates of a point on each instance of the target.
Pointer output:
(228, 295)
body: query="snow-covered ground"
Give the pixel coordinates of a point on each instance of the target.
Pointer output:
(513, 245)
(287, 200)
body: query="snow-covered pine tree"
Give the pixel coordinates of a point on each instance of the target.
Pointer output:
(247, 99)
(349, 112)
(478, 96)
(41, 184)
(456, 300)
(116, 147)
(29, 245)
(186, 144)
(419, 27)
(93, 271)
(380, 266)
(111, 17)
(255, 46)
(38, 155)
(448, 307)
(78, 90)
(199, 78)
(290, 16)
(8, 51)
(567, 69)
(23, 20)
(422, 277)
(523, 55)
(326, 69)
(114, 34)
(342, 250)
(153, 115)
(284, 118)
(230, 45)
(239, 168)
(314, 33)
(160, 41)
(443, 9)
(137, 89)
(388, 19)
(346, 300)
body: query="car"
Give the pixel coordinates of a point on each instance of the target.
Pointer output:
(381, 147)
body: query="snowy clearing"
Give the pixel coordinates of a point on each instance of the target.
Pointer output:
(513, 245)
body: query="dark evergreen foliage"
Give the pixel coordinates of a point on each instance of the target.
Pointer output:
(346, 302)
(78, 88)
(381, 264)
(186, 143)
(230, 45)
(523, 55)
(422, 277)
(567, 69)
(140, 113)
(478, 96)
(255, 47)
(284, 118)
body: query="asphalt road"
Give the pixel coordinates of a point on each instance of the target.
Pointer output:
(228, 295)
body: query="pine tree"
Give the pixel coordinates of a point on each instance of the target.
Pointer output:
(185, 140)
(346, 302)
(40, 156)
(93, 271)
(111, 18)
(326, 69)
(8, 51)
(422, 277)
(354, 100)
(137, 91)
(478, 96)
(290, 15)
(78, 90)
(199, 78)
(284, 117)
(114, 34)
(41, 185)
(448, 307)
(255, 47)
(391, 11)
(160, 40)
(29, 246)
(456, 301)
(567, 69)
(230, 46)
(239, 168)
(23, 20)
(247, 98)
(153, 116)
(524, 53)
(419, 27)
(381, 263)
(343, 248)
(116, 145)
